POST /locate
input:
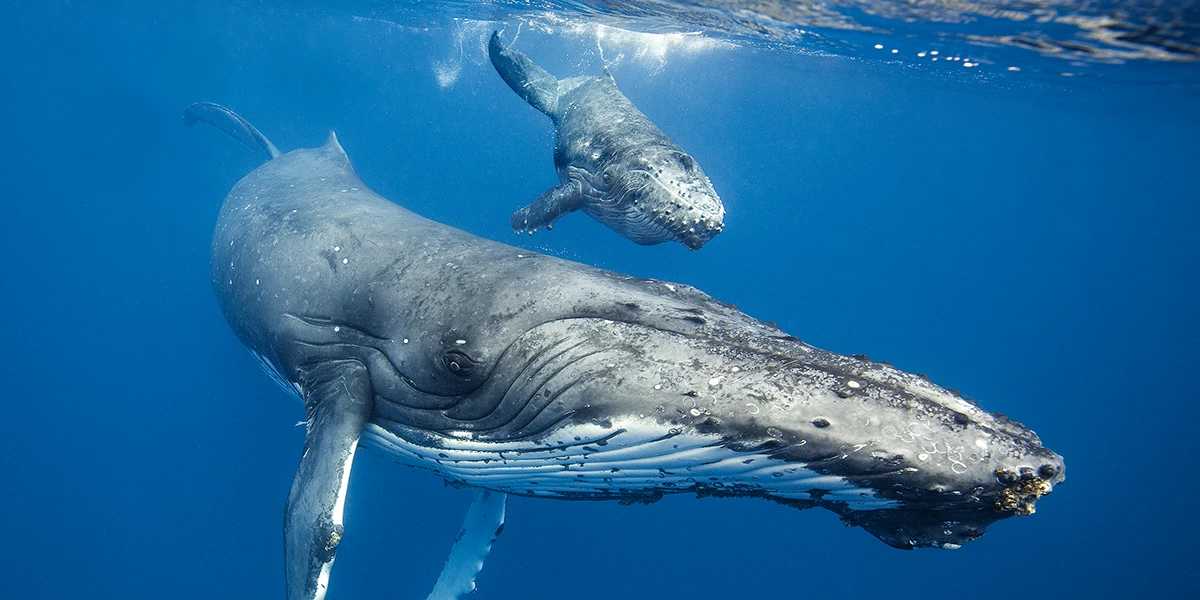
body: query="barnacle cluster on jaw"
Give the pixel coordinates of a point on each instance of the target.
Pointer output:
(335, 538)
(1019, 496)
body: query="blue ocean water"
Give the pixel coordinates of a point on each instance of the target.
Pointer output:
(1024, 230)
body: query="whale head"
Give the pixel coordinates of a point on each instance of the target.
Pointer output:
(659, 195)
(726, 409)
(644, 388)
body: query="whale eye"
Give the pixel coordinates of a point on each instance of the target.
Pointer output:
(607, 177)
(458, 363)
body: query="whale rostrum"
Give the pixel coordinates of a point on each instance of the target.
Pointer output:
(518, 373)
(614, 164)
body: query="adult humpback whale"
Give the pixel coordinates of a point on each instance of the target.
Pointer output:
(520, 373)
(613, 162)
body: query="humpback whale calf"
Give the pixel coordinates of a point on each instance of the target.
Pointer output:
(517, 373)
(613, 162)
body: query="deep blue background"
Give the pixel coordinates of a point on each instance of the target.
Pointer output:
(1030, 242)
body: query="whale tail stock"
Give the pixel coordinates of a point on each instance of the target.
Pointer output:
(531, 82)
(231, 123)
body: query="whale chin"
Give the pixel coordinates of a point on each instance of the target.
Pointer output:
(910, 529)
(696, 234)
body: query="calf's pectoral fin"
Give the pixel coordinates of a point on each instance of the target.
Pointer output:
(552, 204)
(480, 528)
(338, 401)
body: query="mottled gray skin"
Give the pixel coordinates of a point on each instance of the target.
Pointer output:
(614, 164)
(435, 338)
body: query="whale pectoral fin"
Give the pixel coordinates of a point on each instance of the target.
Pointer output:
(531, 82)
(231, 123)
(480, 528)
(552, 204)
(338, 401)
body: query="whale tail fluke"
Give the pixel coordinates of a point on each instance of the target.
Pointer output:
(533, 83)
(230, 122)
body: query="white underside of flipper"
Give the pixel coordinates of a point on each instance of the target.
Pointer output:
(480, 529)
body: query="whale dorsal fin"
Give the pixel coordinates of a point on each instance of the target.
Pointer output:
(531, 82)
(232, 123)
(333, 151)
